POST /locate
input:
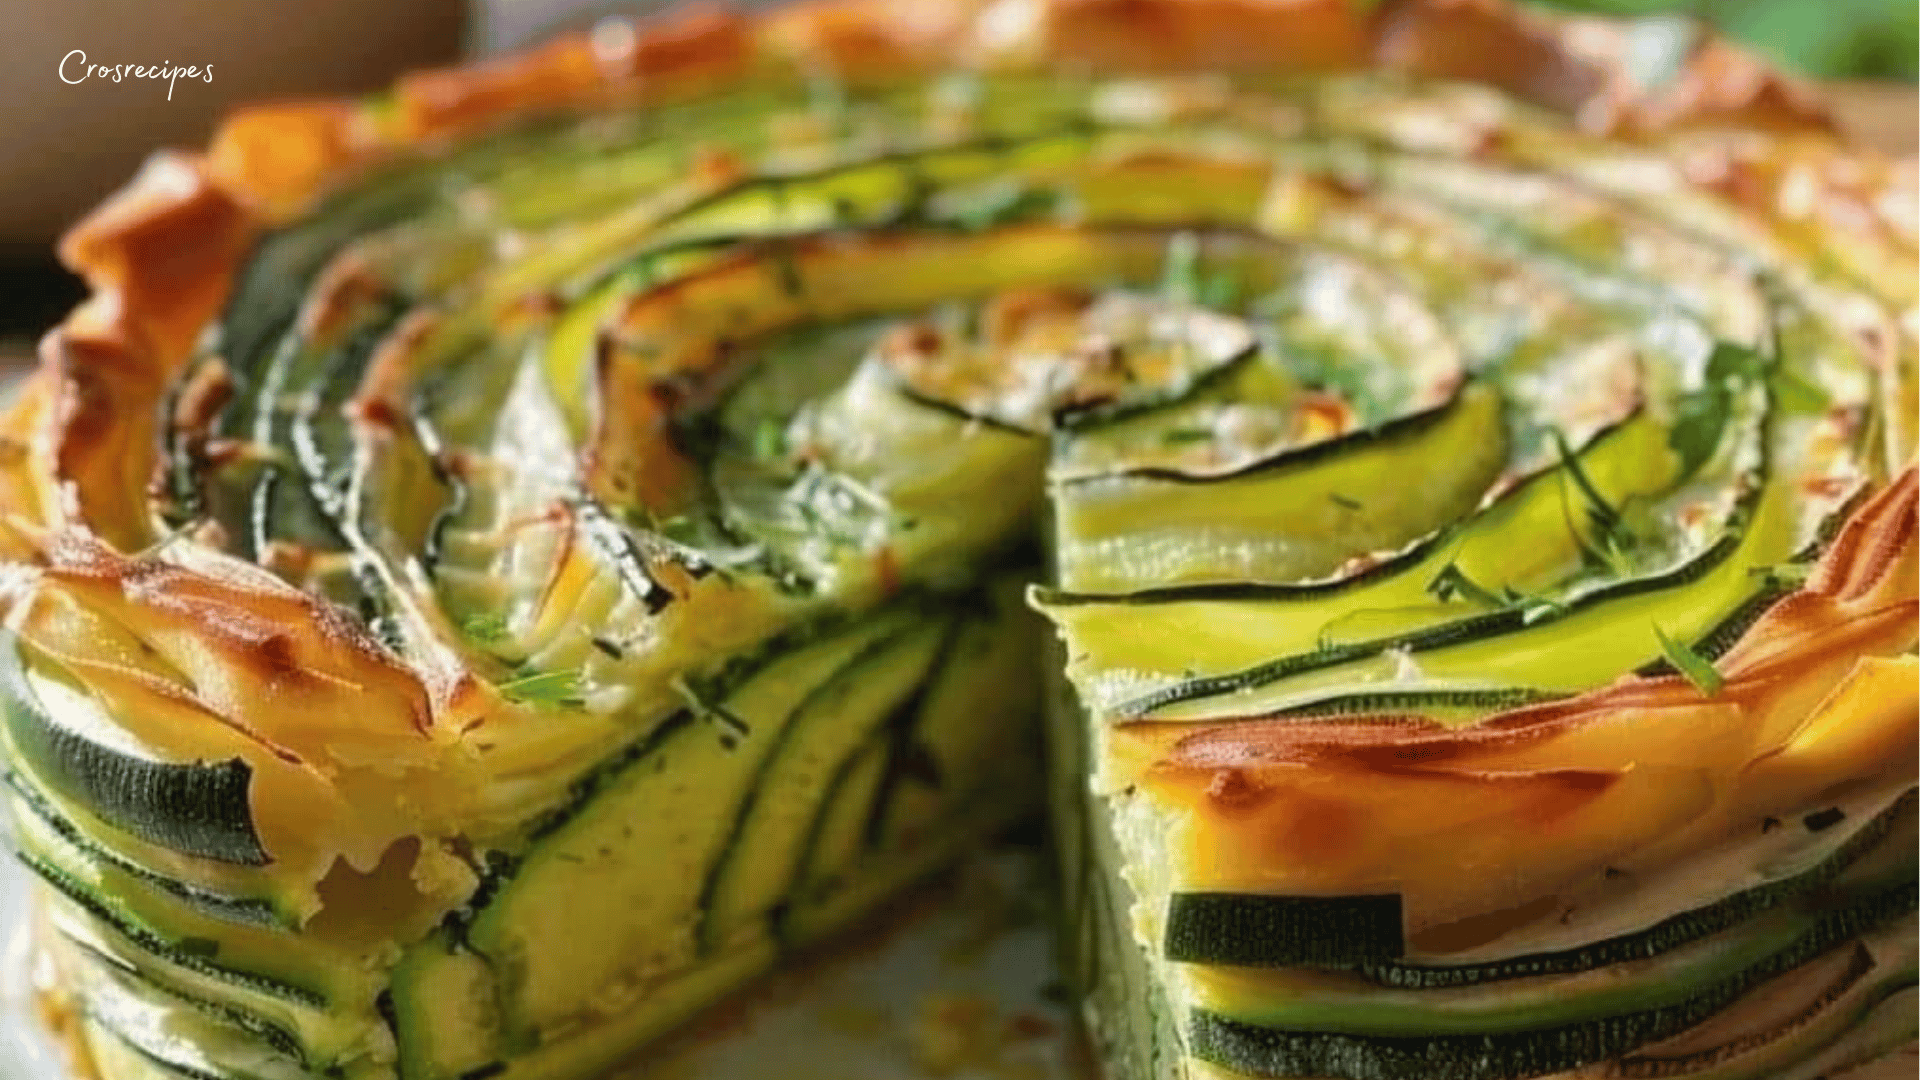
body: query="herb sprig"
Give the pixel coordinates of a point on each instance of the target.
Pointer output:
(1702, 415)
(1612, 540)
(1687, 661)
(544, 689)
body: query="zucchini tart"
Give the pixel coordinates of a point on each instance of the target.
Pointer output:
(498, 566)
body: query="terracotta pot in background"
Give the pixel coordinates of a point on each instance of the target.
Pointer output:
(64, 147)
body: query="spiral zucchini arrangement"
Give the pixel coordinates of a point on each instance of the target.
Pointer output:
(496, 567)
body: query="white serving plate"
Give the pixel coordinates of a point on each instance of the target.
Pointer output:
(954, 987)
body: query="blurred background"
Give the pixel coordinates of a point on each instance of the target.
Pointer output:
(1829, 39)
(65, 147)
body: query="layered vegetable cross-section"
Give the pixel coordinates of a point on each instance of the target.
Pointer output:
(497, 567)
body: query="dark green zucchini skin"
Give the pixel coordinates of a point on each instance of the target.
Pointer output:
(250, 911)
(199, 809)
(1418, 702)
(279, 1039)
(1405, 427)
(1284, 931)
(1264, 1051)
(179, 953)
(1362, 934)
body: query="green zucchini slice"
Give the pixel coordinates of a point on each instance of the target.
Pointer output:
(596, 860)
(196, 808)
(1819, 964)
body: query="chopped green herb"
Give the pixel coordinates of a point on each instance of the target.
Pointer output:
(1533, 607)
(1324, 369)
(547, 689)
(485, 627)
(710, 710)
(1791, 573)
(1453, 582)
(1004, 205)
(1220, 290)
(1603, 513)
(1177, 436)
(1698, 669)
(1701, 416)
(1343, 502)
(769, 439)
(1180, 279)
(1612, 540)
(1796, 394)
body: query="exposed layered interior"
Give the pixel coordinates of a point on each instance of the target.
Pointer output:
(590, 559)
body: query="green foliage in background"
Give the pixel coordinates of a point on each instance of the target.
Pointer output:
(1833, 39)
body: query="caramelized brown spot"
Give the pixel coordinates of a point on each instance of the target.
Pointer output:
(887, 568)
(204, 394)
(1013, 314)
(700, 38)
(344, 285)
(1476, 41)
(1199, 35)
(716, 167)
(1492, 143)
(103, 423)
(159, 253)
(1341, 187)
(532, 309)
(1733, 178)
(1323, 416)
(1232, 794)
(218, 452)
(1826, 487)
(279, 655)
(209, 533)
(382, 395)
(288, 559)
(375, 413)
(1256, 743)
(910, 346)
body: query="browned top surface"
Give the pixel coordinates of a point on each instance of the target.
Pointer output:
(1886, 115)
